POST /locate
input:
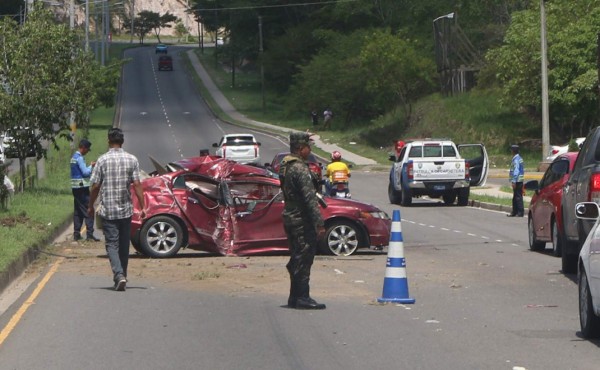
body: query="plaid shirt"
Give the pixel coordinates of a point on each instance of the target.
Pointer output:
(115, 171)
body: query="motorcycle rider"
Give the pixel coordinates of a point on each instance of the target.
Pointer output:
(337, 171)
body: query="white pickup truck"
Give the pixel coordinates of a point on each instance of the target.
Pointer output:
(437, 168)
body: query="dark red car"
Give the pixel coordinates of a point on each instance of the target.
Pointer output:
(217, 205)
(545, 222)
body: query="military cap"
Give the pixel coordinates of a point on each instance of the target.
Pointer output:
(299, 138)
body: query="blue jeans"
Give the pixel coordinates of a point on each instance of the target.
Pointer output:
(116, 234)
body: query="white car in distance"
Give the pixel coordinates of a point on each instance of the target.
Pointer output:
(242, 148)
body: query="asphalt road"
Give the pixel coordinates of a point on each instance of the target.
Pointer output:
(163, 114)
(483, 300)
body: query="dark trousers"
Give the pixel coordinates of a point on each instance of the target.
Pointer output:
(116, 234)
(81, 200)
(302, 239)
(517, 200)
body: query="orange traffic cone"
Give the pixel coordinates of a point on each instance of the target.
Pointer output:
(395, 284)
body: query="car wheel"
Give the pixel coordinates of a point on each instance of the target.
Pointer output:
(590, 323)
(569, 260)
(449, 198)
(393, 194)
(406, 197)
(534, 244)
(463, 196)
(161, 237)
(556, 240)
(341, 239)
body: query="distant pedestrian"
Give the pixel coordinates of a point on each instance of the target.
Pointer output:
(112, 176)
(302, 220)
(516, 177)
(314, 116)
(327, 117)
(80, 187)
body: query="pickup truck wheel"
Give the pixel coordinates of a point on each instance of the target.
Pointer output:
(463, 196)
(393, 194)
(449, 197)
(557, 240)
(406, 198)
(534, 244)
(590, 323)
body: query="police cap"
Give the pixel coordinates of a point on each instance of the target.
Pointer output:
(84, 143)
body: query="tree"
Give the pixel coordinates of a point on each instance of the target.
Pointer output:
(572, 71)
(397, 72)
(47, 75)
(144, 23)
(180, 30)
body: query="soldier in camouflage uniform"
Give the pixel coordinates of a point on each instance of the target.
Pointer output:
(301, 219)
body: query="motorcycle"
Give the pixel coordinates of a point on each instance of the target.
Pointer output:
(339, 185)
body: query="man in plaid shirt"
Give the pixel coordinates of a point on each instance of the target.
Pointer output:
(112, 177)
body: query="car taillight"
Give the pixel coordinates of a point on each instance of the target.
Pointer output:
(224, 149)
(409, 170)
(594, 195)
(467, 171)
(255, 150)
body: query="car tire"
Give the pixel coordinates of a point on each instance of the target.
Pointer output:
(393, 194)
(557, 240)
(406, 197)
(449, 197)
(463, 196)
(534, 244)
(161, 237)
(569, 260)
(589, 322)
(342, 238)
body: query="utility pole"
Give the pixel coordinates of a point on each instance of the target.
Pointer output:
(545, 110)
(132, 17)
(87, 25)
(262, 65)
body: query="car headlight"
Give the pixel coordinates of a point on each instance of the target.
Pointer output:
(375, 214)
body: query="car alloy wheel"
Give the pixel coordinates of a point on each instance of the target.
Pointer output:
(161, 237)
(341, 239)
(534, 244)
(590, 323)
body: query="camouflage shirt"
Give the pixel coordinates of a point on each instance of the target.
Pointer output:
(299, 191)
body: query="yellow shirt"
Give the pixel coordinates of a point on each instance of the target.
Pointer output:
(337, 167)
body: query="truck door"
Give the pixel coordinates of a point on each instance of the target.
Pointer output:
(476, 156)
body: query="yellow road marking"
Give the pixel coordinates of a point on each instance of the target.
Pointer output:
(31, 300)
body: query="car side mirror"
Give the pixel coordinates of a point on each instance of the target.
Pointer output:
(392, 158)
(587, 211)
(215, 145)
(258, 143)
(532, 185)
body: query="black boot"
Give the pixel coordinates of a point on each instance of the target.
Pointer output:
(293, 295)
(304, 302)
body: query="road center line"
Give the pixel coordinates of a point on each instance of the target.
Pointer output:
(31, 300)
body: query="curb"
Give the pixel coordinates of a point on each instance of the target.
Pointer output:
(17, 267)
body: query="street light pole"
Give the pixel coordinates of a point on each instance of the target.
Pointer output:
(545, 109)
(132, 16)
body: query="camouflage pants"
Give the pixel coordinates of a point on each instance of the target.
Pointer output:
(302, 239)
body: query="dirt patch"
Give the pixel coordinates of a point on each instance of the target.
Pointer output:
(359, 276)
(12, 221)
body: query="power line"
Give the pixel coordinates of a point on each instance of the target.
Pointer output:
(276, 6)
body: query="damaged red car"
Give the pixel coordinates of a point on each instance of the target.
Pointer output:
(216, 205)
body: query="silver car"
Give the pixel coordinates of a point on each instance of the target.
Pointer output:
(242, 148)
(588, 272)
